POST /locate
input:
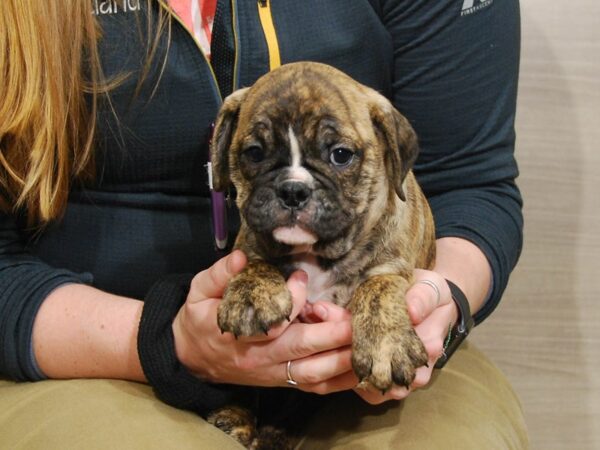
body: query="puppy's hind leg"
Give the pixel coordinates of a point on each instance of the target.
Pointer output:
(240, 424)
(237, 422)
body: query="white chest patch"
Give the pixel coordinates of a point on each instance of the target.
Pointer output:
(320, 282)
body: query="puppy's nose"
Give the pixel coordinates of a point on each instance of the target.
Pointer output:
(293, 194)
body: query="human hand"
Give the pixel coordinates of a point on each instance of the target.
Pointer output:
(320, 352)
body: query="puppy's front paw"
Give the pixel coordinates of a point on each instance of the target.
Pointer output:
(385, 348)
(254, 301)
(390, 358)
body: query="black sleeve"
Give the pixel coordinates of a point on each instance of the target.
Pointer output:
(171, 381)
(25, 281)
(455, 78)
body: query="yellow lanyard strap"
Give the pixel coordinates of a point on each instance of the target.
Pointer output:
(266, 20)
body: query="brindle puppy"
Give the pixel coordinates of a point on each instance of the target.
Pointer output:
(321, 165)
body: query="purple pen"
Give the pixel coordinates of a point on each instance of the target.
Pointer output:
(219, 211)
(219, 217)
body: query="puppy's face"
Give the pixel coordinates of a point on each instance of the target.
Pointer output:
(315, 157)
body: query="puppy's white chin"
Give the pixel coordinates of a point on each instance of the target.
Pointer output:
(294, 236)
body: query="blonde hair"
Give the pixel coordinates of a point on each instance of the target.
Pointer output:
(50, 80)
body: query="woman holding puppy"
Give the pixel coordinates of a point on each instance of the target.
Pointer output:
(108, 269)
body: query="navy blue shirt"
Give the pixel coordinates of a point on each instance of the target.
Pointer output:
(449, 66)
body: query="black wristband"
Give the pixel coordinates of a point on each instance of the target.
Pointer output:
(171, 381)
(461, 328)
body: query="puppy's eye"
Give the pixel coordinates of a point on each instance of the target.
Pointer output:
(341, 156)
(255, 153)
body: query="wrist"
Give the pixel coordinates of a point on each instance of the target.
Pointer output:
(464, 264)
(460, 329)
(171, 380)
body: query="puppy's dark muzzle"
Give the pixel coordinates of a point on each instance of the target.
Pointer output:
(293, 194)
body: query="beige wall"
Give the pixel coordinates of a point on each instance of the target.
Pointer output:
(546, 333)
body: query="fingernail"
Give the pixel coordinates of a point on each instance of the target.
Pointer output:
(320, 311)
(231, 262)
(306, 310)
(302, 277)
(417, 310)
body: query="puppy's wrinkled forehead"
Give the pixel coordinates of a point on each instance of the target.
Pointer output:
(304, 98)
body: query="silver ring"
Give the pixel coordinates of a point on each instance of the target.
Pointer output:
(434, 287)
(288, 370)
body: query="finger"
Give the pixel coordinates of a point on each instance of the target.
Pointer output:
(422, 297)
(296, 283)
(433, 332)
(343, 382)
(301, 340)
(317, 369)
(375, 397)
(306, 315)
(211, 283)
(322, 311)
(423, 375)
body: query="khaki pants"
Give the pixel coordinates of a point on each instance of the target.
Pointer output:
(468, 405)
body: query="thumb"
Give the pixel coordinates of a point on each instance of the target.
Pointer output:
(211, 283)
(323, 311)
(428, 292)
(297, 284)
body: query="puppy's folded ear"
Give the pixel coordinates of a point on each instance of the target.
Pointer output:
(399, 139)
(225, 126)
